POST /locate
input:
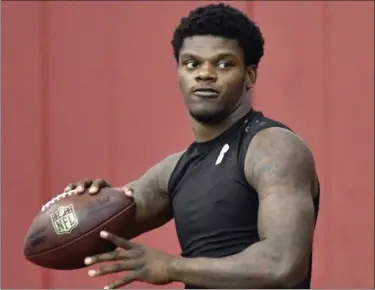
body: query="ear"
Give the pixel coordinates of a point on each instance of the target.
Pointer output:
(251, 76)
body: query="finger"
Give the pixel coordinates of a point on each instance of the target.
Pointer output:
(124, 281)
(113, 256)
(132, 253)
(97, 185)
(70, 187)
(82, 185)
(119, 242)
(127, 265)
(110, 256)
(113, 268)
(128, 192)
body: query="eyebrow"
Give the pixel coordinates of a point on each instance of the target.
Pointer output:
(219, 55)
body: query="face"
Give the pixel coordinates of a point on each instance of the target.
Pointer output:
(213, 77)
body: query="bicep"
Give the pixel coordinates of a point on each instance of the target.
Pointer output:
(281, 169)
(287, 218)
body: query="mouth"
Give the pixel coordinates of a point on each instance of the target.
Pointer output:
(206, 92)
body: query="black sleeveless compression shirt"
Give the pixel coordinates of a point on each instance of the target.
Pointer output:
(215, 209)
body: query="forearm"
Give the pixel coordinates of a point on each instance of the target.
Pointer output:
(150, 193)
(152, 210)
(256, 267)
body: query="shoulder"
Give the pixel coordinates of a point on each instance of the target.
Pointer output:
(165, 168)
(277, 155)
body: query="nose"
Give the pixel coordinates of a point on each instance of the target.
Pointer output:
(206, 73)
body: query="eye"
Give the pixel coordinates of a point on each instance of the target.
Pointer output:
(191, 64)
(224, 65)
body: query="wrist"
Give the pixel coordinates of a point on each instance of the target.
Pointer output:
(174, 269)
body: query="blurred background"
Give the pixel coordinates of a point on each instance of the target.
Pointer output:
(89, 90)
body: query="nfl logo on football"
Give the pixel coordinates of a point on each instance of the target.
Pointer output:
(64, 220)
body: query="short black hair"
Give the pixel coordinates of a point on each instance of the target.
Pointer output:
(223, 21)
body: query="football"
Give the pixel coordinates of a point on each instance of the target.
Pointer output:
(67, 229)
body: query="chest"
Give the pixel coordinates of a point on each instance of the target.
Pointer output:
(213, 195)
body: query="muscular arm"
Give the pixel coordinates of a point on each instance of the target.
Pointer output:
(151, 196)
(281, 169)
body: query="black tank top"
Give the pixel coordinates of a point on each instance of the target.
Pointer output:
(215, 209)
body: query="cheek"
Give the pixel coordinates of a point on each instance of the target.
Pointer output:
(235, 83)
(183, 82)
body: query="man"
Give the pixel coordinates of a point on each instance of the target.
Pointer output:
(244, 195)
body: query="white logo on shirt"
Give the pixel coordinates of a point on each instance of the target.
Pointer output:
(221, 155)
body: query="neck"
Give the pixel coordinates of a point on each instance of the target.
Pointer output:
(204, 132)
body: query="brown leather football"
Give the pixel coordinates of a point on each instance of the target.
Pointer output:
(67, 229)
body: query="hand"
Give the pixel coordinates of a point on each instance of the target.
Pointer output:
(93, 186)
(145, 264)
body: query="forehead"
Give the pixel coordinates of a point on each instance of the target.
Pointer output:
(207, 46)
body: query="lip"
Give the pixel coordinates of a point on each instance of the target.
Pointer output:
(206, 92)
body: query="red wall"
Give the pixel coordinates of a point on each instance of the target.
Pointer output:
(95, 82)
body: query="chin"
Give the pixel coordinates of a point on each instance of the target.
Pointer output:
(208, 117)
